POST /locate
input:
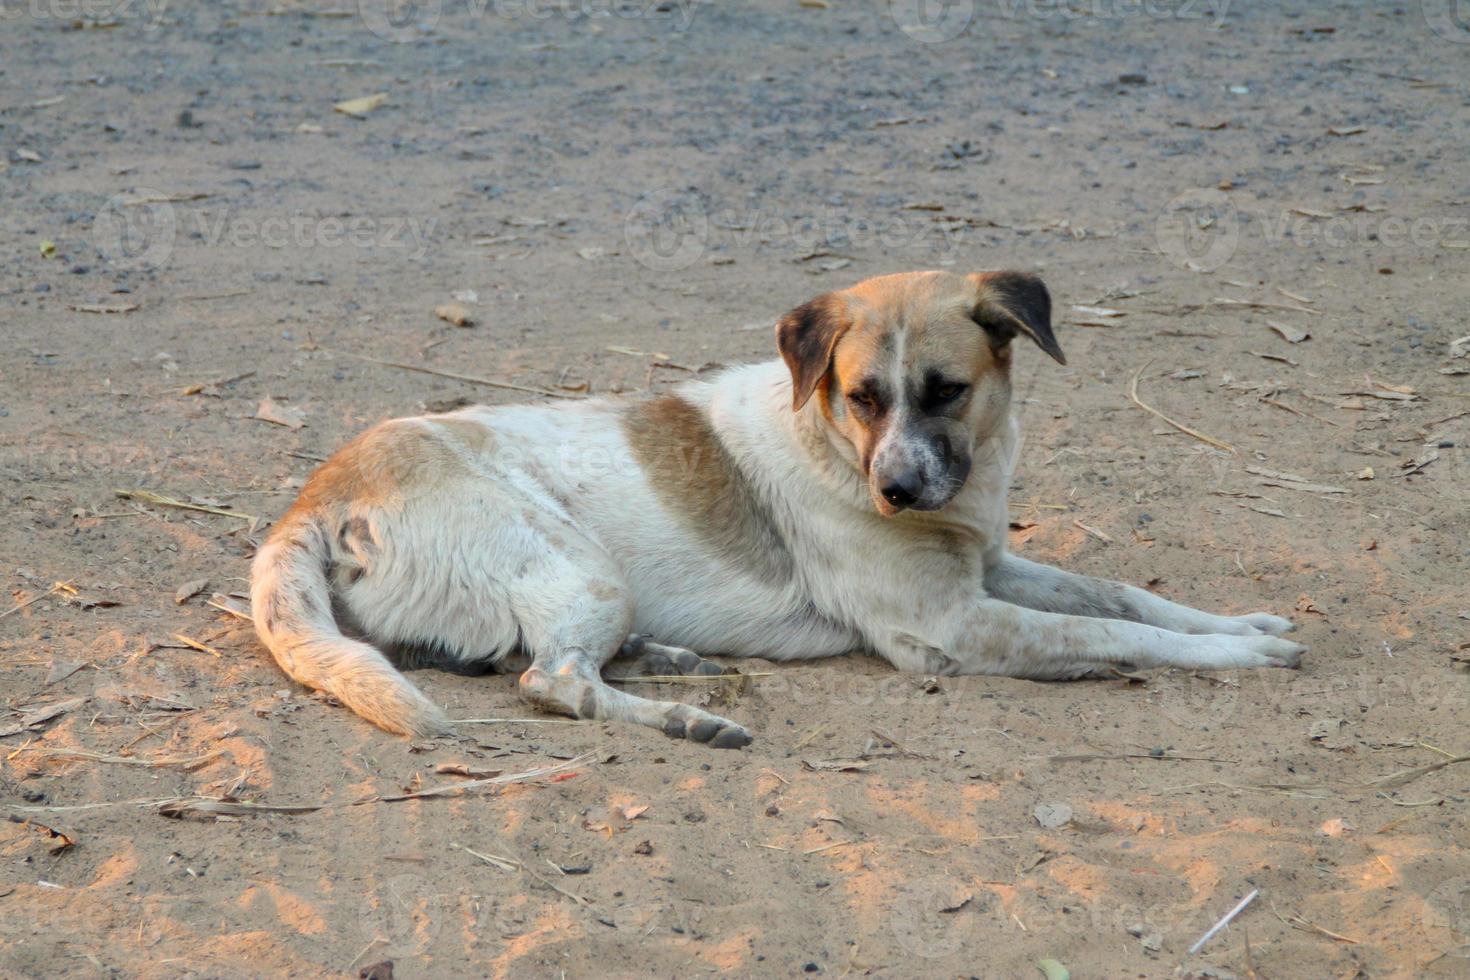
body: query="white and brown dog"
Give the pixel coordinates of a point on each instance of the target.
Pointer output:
(851, 496)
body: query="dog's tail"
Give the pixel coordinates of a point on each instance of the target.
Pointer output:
(292, 605)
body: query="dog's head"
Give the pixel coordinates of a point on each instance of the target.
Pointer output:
(913, 370)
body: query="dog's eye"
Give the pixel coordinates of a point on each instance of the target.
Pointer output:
(949, 392)
(863, 400)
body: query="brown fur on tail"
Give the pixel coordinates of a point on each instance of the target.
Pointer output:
(292, 605)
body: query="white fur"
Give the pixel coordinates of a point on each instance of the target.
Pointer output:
(552, 539)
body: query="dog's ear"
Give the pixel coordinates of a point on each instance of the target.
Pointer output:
(1008, 303)
(806, 338)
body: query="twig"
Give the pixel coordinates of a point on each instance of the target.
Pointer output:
(1297, 922)
(183, 762)
(149, 497)
(1135, 755)
(516, 721)
(1225, 301)
(196, 645)
(58, 587)
(468, 379)
(1133, 397)
(686, 678)
(826, 847)
(1225, 921)
(511, 864)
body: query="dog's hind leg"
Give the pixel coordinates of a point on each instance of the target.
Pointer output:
(574, 610)
(639, 656)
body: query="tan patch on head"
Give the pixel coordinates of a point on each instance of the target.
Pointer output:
(902, 328)
(696, 479)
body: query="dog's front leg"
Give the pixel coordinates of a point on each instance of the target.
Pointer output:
(989, 636)
(1042, 587)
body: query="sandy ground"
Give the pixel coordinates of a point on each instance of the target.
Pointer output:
(188, 229)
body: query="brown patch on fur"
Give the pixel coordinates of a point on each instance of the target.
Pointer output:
(469, 435)
(698, 481)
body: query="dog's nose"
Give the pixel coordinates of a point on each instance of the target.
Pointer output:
(902, 488)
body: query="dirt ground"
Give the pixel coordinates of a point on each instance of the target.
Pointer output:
(194, 238)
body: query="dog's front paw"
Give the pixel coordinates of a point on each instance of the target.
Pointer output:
(1271, 651)
(1267, 623)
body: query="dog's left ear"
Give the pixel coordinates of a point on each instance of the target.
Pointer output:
(806, 338)
(1008, 303)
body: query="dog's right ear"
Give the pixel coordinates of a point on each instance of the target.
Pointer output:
(806, 338)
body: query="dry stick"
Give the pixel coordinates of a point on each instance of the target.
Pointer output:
(196, 645)
(185, 762)
(1224, 301)
(59, 586)
(516, 721)
(1133, 397)
(511, 864)
(1297, 922)
(1225, 921)
(149, 497)
(469, 379)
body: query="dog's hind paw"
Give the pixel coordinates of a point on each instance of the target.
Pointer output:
(689, 722)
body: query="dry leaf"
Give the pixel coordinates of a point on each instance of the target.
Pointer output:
(1346, 130)
(1098, 311)
(358, 108)
(40, 716)
(1290, 334)
(455, 314)
(290, 417)
(189, 590)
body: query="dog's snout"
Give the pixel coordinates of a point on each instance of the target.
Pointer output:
(902, 489)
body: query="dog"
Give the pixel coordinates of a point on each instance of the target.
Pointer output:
(849, 496)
